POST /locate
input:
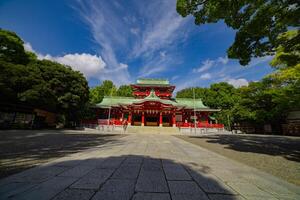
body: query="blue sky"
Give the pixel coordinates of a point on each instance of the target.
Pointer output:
(122, 40)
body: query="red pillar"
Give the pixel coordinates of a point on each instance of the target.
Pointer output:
(206, 118)
(143, 119)
(129, 119)
(160, 119)
(174, 120)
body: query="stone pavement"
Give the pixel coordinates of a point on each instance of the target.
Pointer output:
(146, 167)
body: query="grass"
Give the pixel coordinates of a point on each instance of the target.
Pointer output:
(277, 155)
(21, 150)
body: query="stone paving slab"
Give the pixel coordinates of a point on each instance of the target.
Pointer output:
(12, 189)
(112, 163)
(186, 190)
(211, 184)
(116, 190)
(225, 197)
(127, 171)
(93, 179)
(151, 196)
(151, 181)
(148, 167)
(74, 194)
(77, 172)
(176, 172)
(46, 190)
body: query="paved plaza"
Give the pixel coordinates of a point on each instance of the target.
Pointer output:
(145, 167)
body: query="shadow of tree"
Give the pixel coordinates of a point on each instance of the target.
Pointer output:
(20, 150)
(121, 177)
(287, 147)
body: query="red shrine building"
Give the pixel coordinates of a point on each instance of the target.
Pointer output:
(152, 104)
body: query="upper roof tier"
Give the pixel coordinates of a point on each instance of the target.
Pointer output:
(152, 81)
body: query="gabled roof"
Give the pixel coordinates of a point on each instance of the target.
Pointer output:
(189, 103)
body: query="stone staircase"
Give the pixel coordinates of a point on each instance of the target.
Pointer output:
(152, 130)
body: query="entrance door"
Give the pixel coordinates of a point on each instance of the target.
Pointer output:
(152, 120)
(136, 120)
(166, 119)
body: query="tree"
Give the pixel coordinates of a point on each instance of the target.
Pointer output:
(219, 95)
(107, 88)
(287, 53)
(12, 49)
(258, 23)
(124, 91)
(39, 83)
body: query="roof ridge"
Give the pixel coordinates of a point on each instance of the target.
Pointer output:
(118, 97)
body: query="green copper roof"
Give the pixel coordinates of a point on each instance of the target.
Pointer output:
(149, 81)
(115, 101)
(152, 96)
(186, 103)
(189, 103)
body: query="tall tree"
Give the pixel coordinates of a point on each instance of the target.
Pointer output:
(219, 95)
(39, 83)
(107, 88)
(258, 23)
(125, 91)
(12, 49)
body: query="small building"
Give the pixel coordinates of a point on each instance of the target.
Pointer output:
(152, 104)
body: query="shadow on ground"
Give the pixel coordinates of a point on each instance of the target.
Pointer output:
(122, 177)
(287, 147)
(20, 150)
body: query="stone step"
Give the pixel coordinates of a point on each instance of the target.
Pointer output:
(152, 130)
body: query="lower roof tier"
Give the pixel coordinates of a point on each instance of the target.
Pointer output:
(178, 103)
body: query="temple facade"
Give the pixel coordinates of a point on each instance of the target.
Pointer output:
(152, 104)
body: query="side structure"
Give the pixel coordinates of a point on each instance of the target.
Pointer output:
(153, 105)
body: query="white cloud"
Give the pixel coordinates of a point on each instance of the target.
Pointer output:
(205, 76)
(28, 47)
(238, 82)
(162, 54)
(162, 27)
(110, 32)
(89, 65)
(135, 31)
(206, 65)
(223, 60)
(175, 77)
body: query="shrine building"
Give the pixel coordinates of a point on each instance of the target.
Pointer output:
(152, 104)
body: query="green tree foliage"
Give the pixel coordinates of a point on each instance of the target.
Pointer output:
(12, 49)
(125, 91)
(287, 53)
(219, 95)
(107, 88)
(258, 23)
(39, 83)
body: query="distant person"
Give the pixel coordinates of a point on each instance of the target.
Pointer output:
(125, 124)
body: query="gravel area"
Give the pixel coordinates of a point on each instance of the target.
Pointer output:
(23, 149)
(277, 155)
